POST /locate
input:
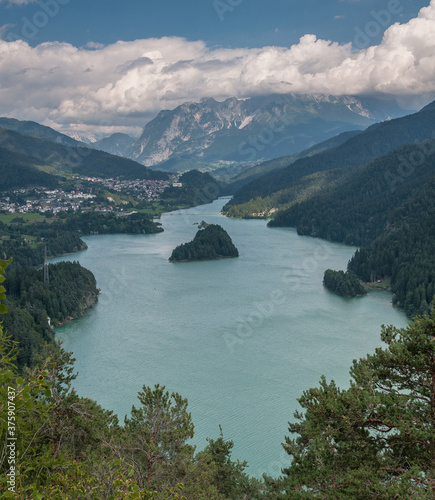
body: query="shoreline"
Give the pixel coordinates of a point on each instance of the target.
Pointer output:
(90, 302)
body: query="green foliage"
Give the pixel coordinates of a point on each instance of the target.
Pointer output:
(36, 152)
(157, 435)
(198, 188)
(230, 477)
(378, 140)
(344, 284)
(3, 265)
(70, 292)
(376, 439)
(212, 242)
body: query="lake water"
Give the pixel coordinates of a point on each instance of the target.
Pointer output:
(240, 338)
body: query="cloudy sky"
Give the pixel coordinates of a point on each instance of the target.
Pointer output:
(107, 65)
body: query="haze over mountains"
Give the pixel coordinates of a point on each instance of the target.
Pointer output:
(232, 135)
(250, 130)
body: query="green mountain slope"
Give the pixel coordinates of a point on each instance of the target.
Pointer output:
(38, 131)
(197, 188)
(17, 170)
(374, 142)
(388, 207)
(300, 190)
(64, 159)
(357, 210)
(266, 167)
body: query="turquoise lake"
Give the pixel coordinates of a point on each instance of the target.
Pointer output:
(241, 338)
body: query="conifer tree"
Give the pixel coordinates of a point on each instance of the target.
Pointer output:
(375, 439)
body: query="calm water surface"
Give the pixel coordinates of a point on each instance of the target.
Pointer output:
(240, 338)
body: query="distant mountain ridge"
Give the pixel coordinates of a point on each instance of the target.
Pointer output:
(38, 131)
(374, 142)
(249, 130)
(116, 144)
(37, 156)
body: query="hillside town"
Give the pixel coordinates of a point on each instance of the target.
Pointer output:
(91, 193)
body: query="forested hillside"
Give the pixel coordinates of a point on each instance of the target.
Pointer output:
(356, 211)
(376, 141)
(405, 252)
(388, 208)
(250, 174)
(19, 171)
(300, 190)
(34, 305)
(61, 159)
(198, 188)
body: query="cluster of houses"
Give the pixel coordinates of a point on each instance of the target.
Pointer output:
(141, 189)
(42, 200)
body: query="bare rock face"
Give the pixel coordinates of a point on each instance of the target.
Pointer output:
(250, 130)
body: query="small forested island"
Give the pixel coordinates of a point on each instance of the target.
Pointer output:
(210, 242)
(344, 284)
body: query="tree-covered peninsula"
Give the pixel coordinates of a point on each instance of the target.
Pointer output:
(210, 242)
(344, 284)
(39, 301)
(37, 304)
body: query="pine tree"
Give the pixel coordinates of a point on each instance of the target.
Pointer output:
(377, 438)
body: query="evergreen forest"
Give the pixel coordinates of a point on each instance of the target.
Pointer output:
(210, 242)
(388, 210)
(344, 284)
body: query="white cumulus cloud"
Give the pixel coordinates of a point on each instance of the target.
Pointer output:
(122, 85)
(20, 3)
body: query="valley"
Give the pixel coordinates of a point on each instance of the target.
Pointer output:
(231, 335)
(313, 231)
(217, 250)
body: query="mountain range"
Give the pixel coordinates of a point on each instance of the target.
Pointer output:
(38, 131)
(374, 188)
(34, 154)
(358, 150)
(209, 133)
